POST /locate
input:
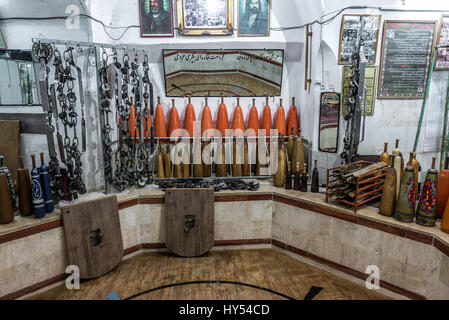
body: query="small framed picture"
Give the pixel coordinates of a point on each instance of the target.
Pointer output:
(205, 17)
(254, 18)
(351, 25)
(2, 41)
(442, 62)
(156, 18)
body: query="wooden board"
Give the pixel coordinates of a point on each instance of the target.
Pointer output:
(179, 205)
(93, 236)
(406, 56)
(9, 145)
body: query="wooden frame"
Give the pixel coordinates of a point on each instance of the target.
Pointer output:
(437, 68)
(221, 51)
(341, 37)
(183, 29)
(338, 121)
(152, 35)
(382, 58)
(254, 35)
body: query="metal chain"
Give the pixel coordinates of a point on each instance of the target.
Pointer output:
(128, 164)
(67, 100)
(53, 165)
(105, 109)
(346, 155)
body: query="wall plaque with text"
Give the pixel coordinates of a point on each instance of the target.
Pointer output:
(406, 55)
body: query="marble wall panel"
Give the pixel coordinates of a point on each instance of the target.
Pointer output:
(444, 270)
(406, 263)
(243, 220)
(10, 281)
(130, 227)
(152, 223)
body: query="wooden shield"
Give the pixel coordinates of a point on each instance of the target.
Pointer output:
(189, 221)
(93, 236)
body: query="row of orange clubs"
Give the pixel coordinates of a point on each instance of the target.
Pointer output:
(284, 125)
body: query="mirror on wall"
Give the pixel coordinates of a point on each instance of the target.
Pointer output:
(18, 79)
(329, 122)
(243, 73)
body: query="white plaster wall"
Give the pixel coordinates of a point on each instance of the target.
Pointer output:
(393, 119)
(119, 13)
(18, 34)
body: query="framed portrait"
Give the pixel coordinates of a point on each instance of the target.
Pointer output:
(156, 18)
(442, 62)
(351, 25)
(205, 17)
(2, 41)
(253, 19)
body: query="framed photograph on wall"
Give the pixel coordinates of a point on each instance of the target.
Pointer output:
(2, 41)
(156, 18)
(253, 19)
(369, 94)
(442, 62)
(351, 25)
(204, 17)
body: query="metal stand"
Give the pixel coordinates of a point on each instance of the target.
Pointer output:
(96, 46)
(99, 48)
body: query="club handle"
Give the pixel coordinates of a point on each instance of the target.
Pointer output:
(33, 160)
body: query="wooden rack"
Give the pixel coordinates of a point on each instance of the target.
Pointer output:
(368, 187)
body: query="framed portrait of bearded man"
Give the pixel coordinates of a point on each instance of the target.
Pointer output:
(156, 18)
(253, 18)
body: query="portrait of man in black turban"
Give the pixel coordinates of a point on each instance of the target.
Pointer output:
(155, 20)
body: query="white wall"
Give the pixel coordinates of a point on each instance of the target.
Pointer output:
(126, 13)
(18, 34)
(393, 119)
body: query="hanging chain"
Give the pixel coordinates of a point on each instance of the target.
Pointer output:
(349, 153)
(105, 109)
(44, 53)
(149, 115)
(128, 164)
(72, 185)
